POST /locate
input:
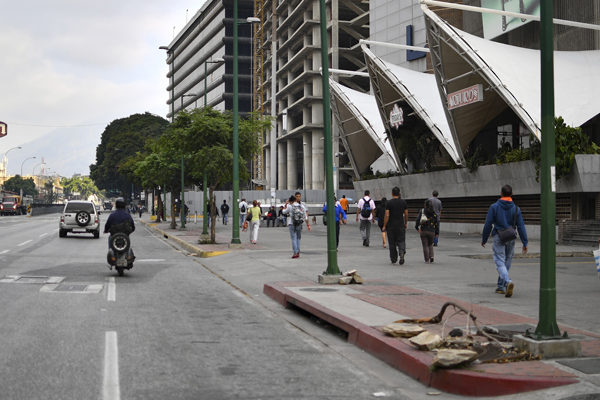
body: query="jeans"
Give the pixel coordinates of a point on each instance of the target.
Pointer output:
(365, 230)
(254, 225)
(503, 254)
(224, 219)
(242, 218)
(295, 235)
(396, 242)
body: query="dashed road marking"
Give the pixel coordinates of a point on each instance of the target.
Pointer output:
(24, 243)
(111, 294)
(4, 251)
(110, 384)
(43, 234)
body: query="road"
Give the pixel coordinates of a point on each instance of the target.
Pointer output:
(168, 329)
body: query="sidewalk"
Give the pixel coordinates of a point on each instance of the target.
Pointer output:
(398, 292)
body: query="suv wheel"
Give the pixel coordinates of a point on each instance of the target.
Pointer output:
(82, 218)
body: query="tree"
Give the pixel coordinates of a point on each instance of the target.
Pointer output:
(122, 140)
(17, 183)
(204, 138)
(79, 184)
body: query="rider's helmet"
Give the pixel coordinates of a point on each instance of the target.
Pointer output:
(120, 203)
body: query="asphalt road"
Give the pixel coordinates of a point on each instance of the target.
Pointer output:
(168, 329)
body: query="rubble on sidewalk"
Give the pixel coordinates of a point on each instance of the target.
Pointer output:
(402, 330)
(351, 276)
(448, 358)
(426, 340)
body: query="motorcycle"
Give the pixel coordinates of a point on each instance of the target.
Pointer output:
(120, 255)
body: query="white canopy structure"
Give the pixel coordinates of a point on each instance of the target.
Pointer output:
(504, 76)
(361, 129)
(396, 87)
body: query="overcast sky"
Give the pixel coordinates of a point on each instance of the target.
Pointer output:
(70, 67)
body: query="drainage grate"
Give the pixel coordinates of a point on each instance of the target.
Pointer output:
(81, 288)
(40, 280)
(589, 366)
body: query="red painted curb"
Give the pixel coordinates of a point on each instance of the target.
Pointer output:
(413, 362)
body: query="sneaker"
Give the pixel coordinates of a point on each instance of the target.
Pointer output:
(401, 261)
(500, 291)
(431, 260)
(365, 242)
(296, 255)
(509, 289)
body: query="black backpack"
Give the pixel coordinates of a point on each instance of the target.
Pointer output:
(243, 209)
(365, 212)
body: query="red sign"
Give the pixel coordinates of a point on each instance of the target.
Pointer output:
(465, 97)
(3, 129)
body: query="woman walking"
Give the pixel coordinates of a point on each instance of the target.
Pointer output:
(254, 216)
(427, 225)
(380, 215)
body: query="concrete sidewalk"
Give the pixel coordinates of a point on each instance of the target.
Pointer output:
(418, 290)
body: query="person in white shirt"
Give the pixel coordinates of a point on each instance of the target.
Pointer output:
(366, 215)
(243, 211)
(296, 215)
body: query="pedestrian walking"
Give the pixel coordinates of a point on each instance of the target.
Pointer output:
(380, 217)
(225, 211)
(344, 203)
(243, 206)
(427, 226)
(395, 224)
(297, 214)
(502, 219)
(437, 207)
(340, 214)
(366, 215)
(254, 216)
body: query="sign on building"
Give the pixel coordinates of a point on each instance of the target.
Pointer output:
(396, 117)
(3, 129)
(495, 25)
(465, 96)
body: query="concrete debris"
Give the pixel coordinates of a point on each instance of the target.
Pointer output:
(448, 358)
(426, 340)
(351, 276)
(402, 330)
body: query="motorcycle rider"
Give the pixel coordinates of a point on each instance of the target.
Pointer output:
(118, 219)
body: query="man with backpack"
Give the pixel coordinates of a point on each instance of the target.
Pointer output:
(366, 215)
(224, 211)
(296, 216)
(243, 211)
(395, 223)
(505, 217)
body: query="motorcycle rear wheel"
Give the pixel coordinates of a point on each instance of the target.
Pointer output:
(121, 271)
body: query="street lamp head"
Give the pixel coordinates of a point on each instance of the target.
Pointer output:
(253, 20)
(164, 48)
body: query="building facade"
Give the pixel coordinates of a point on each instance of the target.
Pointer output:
(200, 59)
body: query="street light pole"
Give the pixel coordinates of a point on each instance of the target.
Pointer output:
(28, 158)
(182, 204)
(547, 326)
(235, 237)
(5, 160)
(332, 267)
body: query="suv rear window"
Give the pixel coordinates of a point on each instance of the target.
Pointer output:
(75, 207)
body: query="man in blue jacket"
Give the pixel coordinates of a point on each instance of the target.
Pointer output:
(501, 215)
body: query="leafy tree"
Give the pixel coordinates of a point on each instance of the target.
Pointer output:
(16, 183)
(121, 140)
(569, 142)
(50, 195)
(79, 184)
(204, 139)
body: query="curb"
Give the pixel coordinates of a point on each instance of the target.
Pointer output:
(413, 362)
(186, 245)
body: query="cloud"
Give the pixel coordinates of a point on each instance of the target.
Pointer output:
(76, 63)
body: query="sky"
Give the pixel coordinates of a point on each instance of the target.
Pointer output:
(70, 67)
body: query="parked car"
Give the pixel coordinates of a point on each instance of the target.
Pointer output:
(79, 216)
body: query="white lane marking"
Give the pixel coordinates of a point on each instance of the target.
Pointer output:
(110, 384)
(43, 234)
(4, 251)
(111, 294)
(24, 243)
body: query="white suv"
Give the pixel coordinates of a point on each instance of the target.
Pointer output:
(79, 216)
